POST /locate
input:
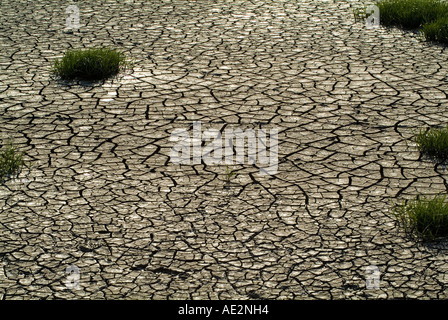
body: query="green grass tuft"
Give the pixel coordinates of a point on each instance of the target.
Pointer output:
(424, 218)
(437, 30)
(11, 162)
(90, 64)
(433, 142)
(430, 16)
(360, 13)
(411, 14)
(229, 174)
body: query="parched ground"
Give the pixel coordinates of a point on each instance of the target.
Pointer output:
(104, 196)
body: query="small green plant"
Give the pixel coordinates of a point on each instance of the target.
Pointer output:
(90, 64)
(433, 142)
(11, 162)
(360, 13)
(424, 218)
(229, 174)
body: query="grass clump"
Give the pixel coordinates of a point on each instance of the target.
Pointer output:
(424, 218)
(411, 14)
(89, 64)
(430, 16)
(437, 30)
(433, 142)
(360, 13)
(11, 162)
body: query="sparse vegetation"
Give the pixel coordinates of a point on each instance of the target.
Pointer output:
(90, 64)
(433, 142)
(424, 218)
(11, 161)
(360, 13)
(229, 174)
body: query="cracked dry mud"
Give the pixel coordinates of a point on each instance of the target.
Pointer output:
(104, 196)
